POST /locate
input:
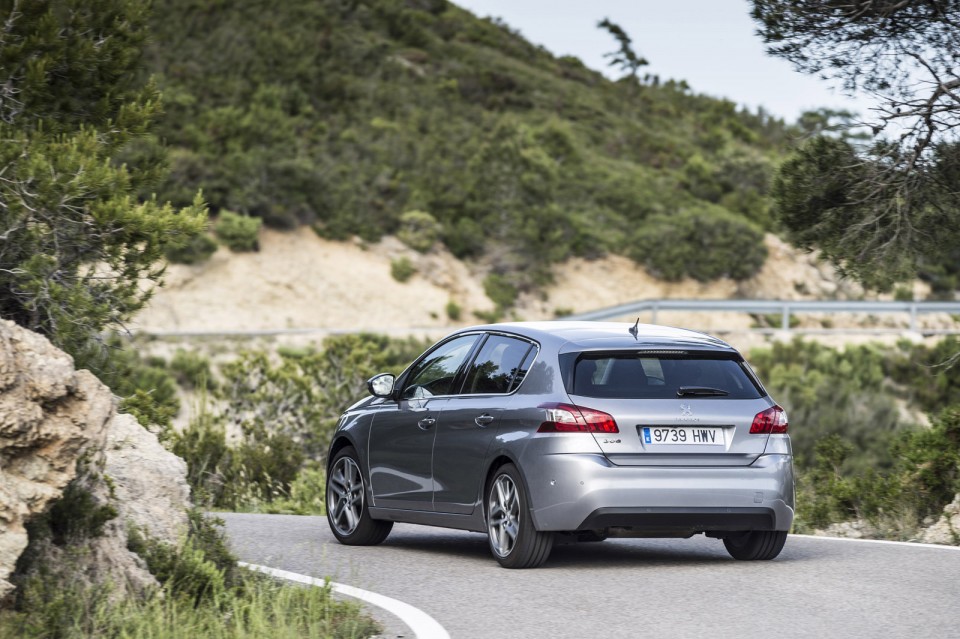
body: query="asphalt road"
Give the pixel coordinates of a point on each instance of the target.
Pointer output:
(627, 587)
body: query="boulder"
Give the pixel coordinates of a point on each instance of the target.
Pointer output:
(59, 425)
(947, 529)
(50, 415)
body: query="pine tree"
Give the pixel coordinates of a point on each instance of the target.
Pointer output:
(79, 249)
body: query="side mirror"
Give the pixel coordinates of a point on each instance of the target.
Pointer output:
(381, 385)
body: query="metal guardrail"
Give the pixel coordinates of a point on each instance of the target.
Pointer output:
(785, 308)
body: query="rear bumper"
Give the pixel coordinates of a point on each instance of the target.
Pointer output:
(586, 492)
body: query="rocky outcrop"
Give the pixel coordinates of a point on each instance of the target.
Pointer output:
(856, 529)
(50, 415)
(54, 420)
(947, 529)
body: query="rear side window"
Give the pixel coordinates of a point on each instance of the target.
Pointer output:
(497, 366)
(633, 376)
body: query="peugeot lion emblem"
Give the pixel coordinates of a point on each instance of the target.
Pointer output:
(686, 410)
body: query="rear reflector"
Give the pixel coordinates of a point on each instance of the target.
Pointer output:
(772, 420)
(567, 418)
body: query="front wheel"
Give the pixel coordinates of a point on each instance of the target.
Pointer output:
(756, 544)
(513, 540)
(347, 511)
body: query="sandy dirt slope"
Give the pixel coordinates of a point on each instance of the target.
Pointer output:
(299, 280)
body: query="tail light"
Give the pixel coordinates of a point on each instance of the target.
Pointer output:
(772, 420)
(567, 418)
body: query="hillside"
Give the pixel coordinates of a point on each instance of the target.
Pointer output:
(348, 286)
(348, 116)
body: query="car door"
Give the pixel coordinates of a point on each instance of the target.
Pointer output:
(470, 420)
(403, 430)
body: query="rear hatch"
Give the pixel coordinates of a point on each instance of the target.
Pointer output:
(673, 408)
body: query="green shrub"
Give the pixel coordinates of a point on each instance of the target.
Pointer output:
(307, 493)
(286, 411)
(75, 516)
(203, 446)
(402, 269)
(500, 290)
(191, 369)
(203, 594)
(775, 320)
(146, 389)
(198, 249)
(238, 232)
(924, 478)
(928, 463)
(826, 392)
(705, 244)
(419, 230)
(453, 311)
(903, 294)
(931, 373)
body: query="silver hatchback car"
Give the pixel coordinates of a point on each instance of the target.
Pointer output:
(533, 432)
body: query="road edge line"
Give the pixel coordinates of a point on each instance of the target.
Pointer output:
(912, 544)
(423, 625)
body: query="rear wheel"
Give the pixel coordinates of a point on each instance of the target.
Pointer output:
(347, 511)
(513, 540)
(755, 544)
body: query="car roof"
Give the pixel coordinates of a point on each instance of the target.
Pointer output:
(566, 336)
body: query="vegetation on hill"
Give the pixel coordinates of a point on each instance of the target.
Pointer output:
(349, 115)
(76, 247)
(858, 452)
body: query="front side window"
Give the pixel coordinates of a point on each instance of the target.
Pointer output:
(435, 374)
(496, 366)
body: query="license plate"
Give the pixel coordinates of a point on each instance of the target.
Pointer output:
(681, 436)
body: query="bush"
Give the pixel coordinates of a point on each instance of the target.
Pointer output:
(705, 244)
(402, 269)
(830, 392)
(238, 232)
(932, 373)
(147, 390)
(453, 310)
(191, 370)
(500, 290)
(196, 250)
(925, 477)
(202, 594)
(419, 230)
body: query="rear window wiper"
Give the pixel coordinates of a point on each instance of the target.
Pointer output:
(702, 391)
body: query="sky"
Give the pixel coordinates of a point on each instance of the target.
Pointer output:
(711, 44)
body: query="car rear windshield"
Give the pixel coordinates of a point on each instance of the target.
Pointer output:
(631, 375)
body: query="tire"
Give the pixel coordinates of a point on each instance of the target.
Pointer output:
(756, 544)
(514, 542)
(346, 500)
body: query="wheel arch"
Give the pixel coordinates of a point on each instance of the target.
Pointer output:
(339, 443)
(499, 460)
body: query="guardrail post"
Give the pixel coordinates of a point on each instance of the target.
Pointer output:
(785, 319)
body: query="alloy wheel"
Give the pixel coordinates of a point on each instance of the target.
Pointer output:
(345, 496)
(503, 515)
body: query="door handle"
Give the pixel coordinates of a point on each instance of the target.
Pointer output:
(426, 423)
(483, 420)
